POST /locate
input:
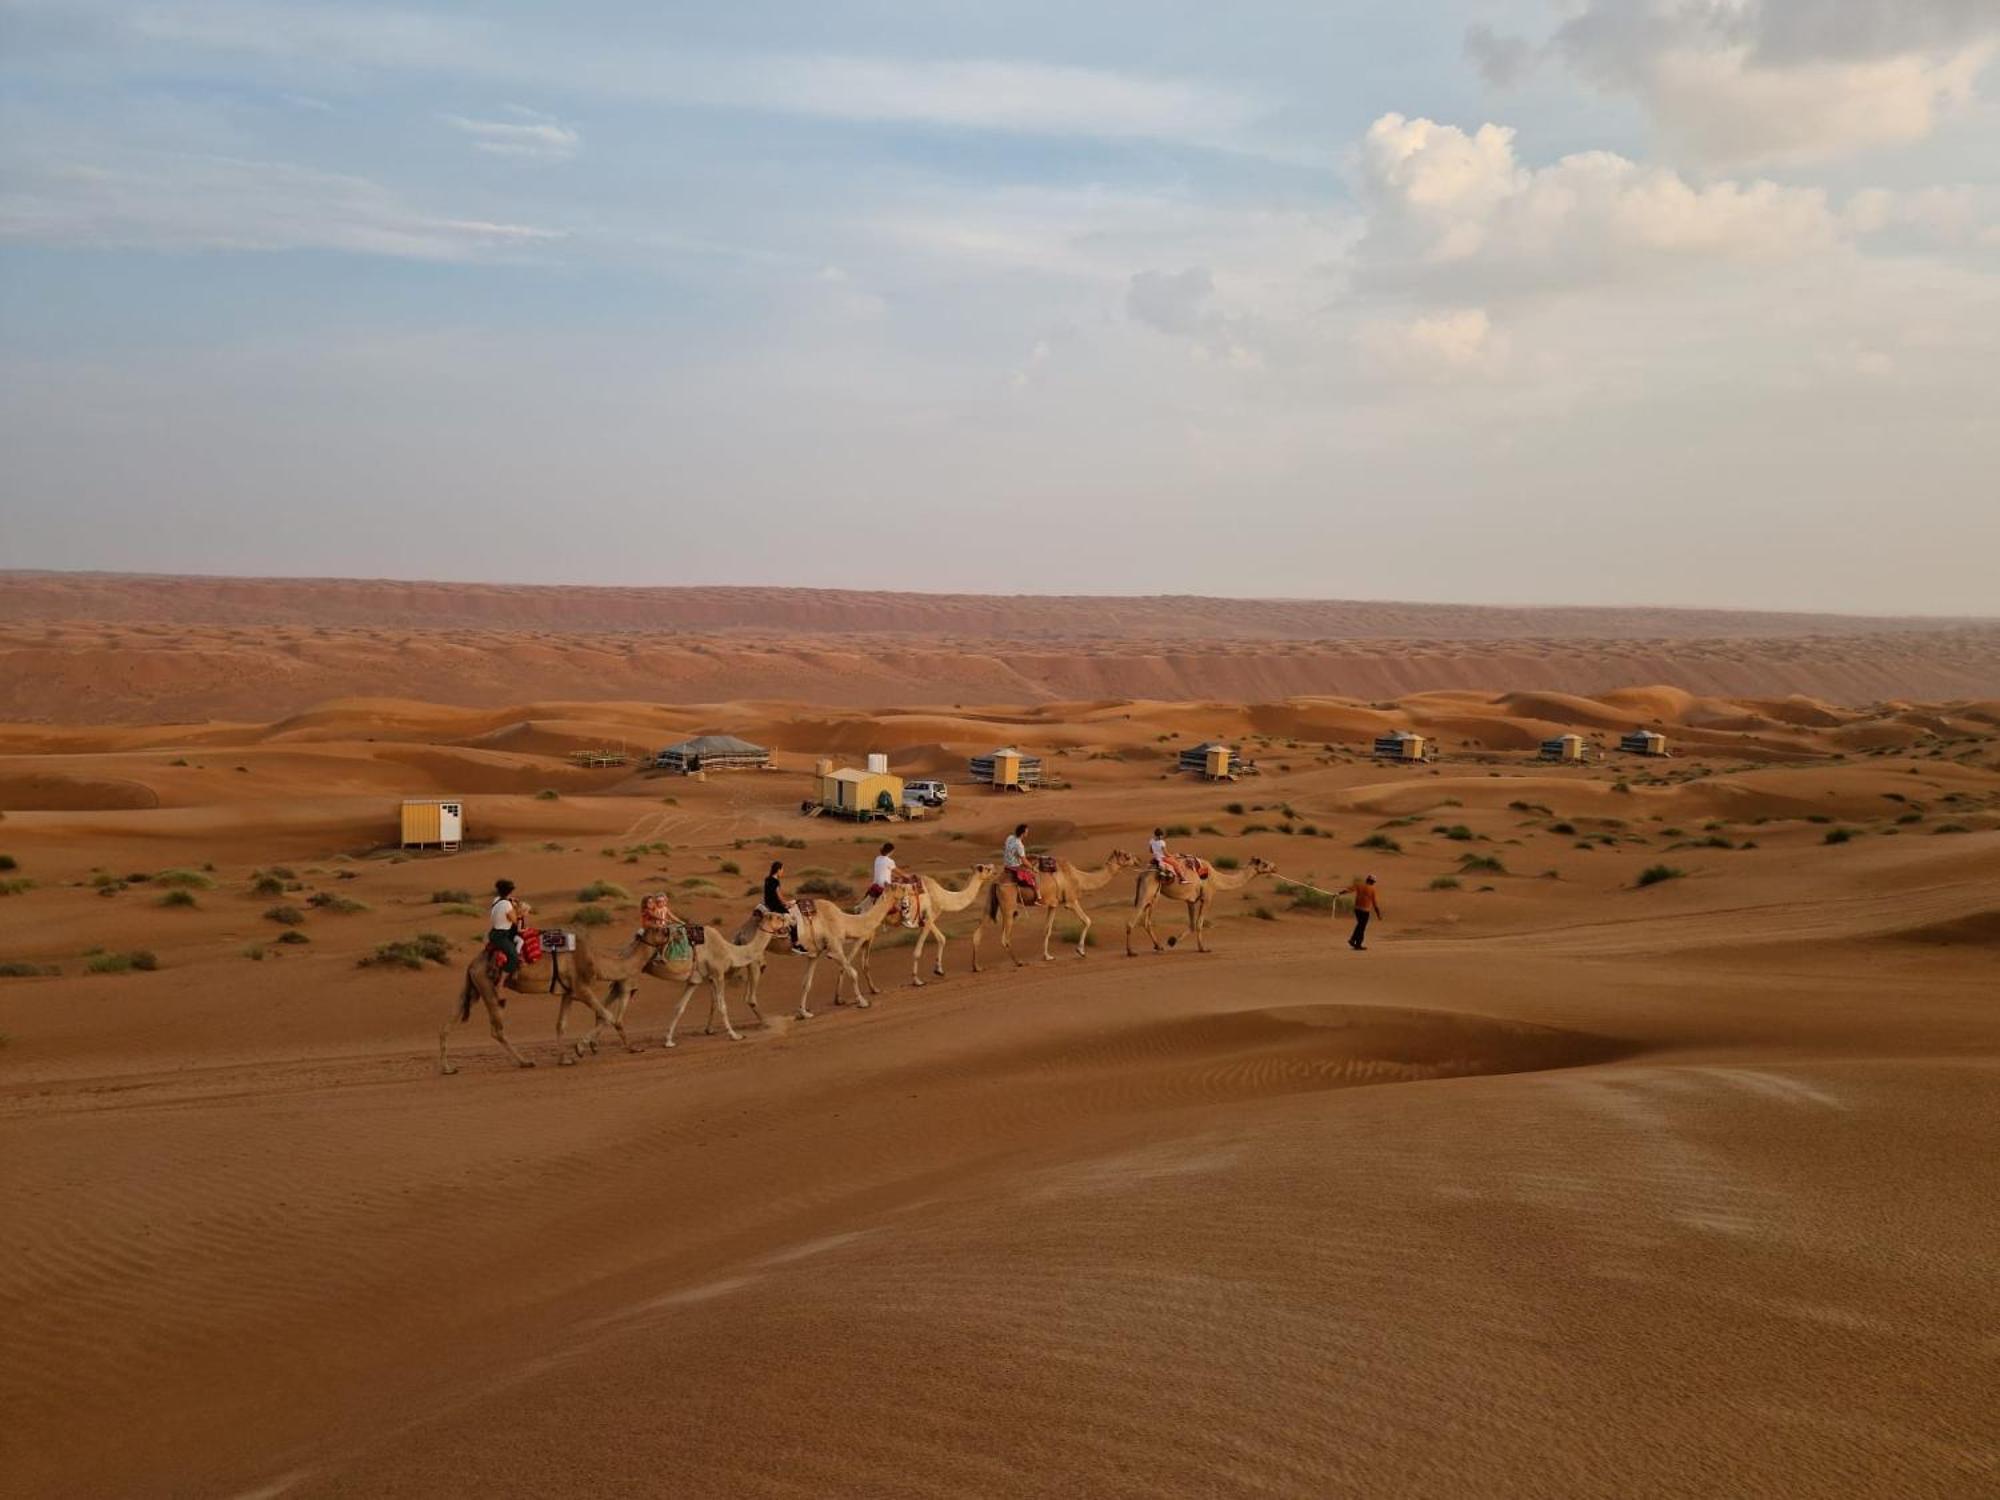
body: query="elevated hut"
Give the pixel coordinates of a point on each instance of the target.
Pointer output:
(431, 823)
(712, 752)
(1401, 745)
(1644, 742)
(1217, 760)
(1006, 769)
(1567, 748)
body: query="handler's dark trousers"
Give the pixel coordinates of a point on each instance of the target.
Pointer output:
(508, 941)
(1360, 929)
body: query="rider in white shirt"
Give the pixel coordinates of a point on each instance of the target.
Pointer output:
(1157, 847)
(503, 924)
(885, 870)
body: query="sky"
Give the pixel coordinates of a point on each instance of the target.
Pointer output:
(1515, 301)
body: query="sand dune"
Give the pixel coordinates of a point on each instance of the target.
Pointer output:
(1571, 1184)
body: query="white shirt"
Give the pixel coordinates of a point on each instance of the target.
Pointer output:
(1159, 848)
(1013, 854)
(501, 917)
(885, 869)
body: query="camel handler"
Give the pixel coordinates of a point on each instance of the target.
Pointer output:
(1014, 858)
(1366, 904)
(775, 903)
(503, 925)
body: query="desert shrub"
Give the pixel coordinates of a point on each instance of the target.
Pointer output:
(1234, 809)
(450, 896)
(1250, 828)
(177, 898)
(345, 906)
(1226, 862)
(1951, 828)
(14, 969)
(1483, 862)
(729, 867)
(1304, 898)
(18, 886)
(1623, 788)
(1309, 830)
(1286, 829)
(185, 880)
(8, 862)
(1380, 841)
(826, 886)
(267, 885)
(1263, 914)
(603, 890)
(1179, 831)
(291, 937)
(1818, 818)
(1837, 835)
(1655, 874)
(462, 909)
(779, 841)
(119, 963)
(1444, 883)
(1209, 830)
(590, 916)
(410, 953)
(255, 952)
(695, 885)
(285, 916)
(548, 794)
(104, 880)
(1911, 817)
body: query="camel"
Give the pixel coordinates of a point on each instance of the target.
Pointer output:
(588, 970)
(1062, 889)
(937, 900)
(715, 959)
(828, 932)
(1196, 893)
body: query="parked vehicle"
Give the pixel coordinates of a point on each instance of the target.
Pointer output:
(924, 793)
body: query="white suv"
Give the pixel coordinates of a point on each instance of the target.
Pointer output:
(924, 793)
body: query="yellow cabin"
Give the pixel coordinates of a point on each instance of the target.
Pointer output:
(1564, 747)
(855, 794)
(433, 824)
(1215, 763)
(1006, 768)
(1401, 745)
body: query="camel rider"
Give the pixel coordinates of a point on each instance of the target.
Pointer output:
(884, 874)
(775, 902)
(503, 925)
(1157, 847)
(1014, 857)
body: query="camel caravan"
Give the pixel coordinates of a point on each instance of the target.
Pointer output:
(519, 959)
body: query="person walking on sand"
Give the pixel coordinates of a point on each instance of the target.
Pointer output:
(503, 925)
(775, 903)
(1366, 904)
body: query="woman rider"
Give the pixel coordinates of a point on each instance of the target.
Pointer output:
(503, 925)
(775, 902)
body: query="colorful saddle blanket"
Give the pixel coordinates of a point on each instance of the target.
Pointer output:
(682, 940)
(1186, 869)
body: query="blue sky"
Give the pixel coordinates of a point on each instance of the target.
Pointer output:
(1606, 300)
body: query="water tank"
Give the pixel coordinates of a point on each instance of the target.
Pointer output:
(878, 763)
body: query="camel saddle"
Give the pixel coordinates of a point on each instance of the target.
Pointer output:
(1047, 864)
(1187, 869)
(807, 906)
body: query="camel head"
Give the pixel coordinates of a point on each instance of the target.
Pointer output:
(1120, 859)
(984, 872)
(771, 923)
(1262, 866)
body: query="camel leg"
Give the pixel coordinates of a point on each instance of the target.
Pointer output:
(977, 933)
(812, 967)
(721, 981)
(604, 1017)
(564, 1058)
(446, 1066)
(1194, 925)
(1049, 934)
(1007, 937)
(917, 956)
(755, 977)
(499, 1029)
(937, 932)
(847, 969)
(1083, 935)
(694, 980)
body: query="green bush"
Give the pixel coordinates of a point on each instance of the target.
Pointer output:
(186, 880)
(1380, 841)
(1458, 833)
(177, 898)
(590, 916)
(1444, 883)
(17, 886)
(729, 867)
(1655, 874)
(603, 890)
(285, 916)
(267, 885)
(410, 953)
(345, 906)
(120, 963)
(1485, 862)
(450, 896)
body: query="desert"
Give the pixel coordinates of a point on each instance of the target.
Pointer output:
(1646, 1147)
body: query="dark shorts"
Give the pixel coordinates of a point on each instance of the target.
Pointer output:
(508, 941)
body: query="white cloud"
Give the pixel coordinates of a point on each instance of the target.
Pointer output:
(1458, 345)
(1786, 80)
(529, 136)
(1445, 200)
(171, 201)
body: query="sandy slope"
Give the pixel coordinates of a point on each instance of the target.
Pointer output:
(113, 648)
(1564, 1187)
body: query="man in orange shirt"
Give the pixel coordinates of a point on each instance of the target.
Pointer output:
(1366, 905)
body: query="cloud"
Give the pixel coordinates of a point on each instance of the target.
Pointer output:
(529, 136)
(1455, 207)
(175, 201)
(1502, 61)
(1786, 80)
(1458, 345)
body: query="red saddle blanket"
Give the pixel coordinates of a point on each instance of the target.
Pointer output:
(1187, 867)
